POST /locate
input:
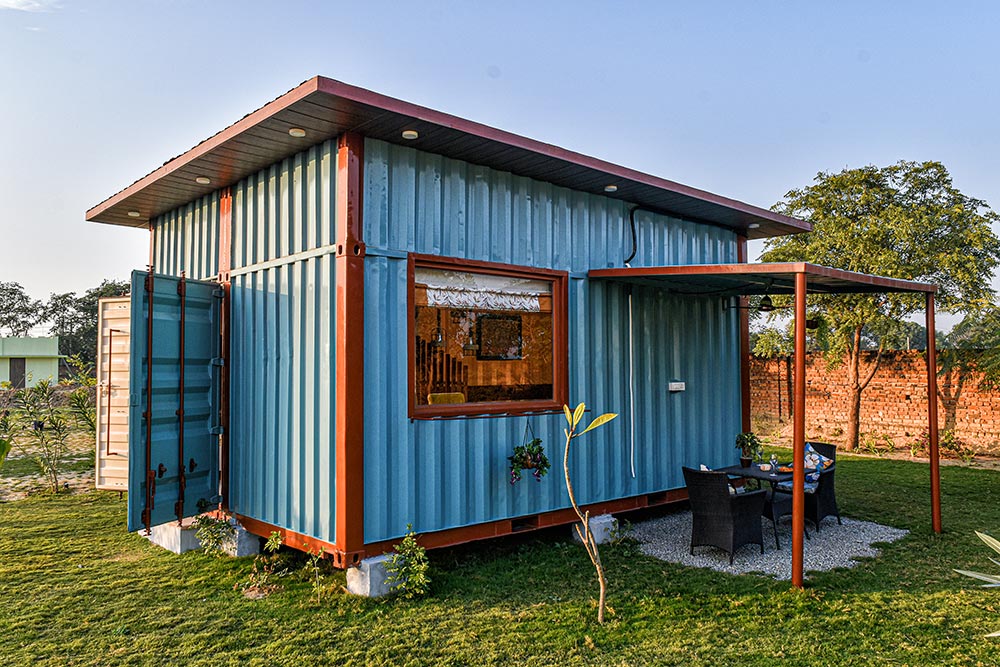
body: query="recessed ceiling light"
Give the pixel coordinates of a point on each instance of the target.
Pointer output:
(753, 225)
(297, 132)
(410, 134)
(611, 188)
(134, 214)
(203, 180)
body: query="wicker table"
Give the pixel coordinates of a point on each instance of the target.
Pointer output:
(754, 472)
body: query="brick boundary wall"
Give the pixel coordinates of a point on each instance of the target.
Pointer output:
(893, 405)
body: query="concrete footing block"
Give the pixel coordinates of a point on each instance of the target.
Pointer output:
(170, 536)
(181, 539)
(602, 527)
(242, 543)
(368, 577)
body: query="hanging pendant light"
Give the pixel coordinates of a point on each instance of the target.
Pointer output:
(765, 305)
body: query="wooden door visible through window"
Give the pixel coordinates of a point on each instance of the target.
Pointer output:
(17, 373)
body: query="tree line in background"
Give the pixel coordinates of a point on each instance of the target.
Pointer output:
(904, 221)
(71, 317)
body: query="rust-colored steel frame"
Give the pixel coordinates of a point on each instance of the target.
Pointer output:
(181, 476)
(350, 347)
(560, 339)
(744, 324)
(763, 278)
(465, 534)
(107, 406)
(799, 432)
(932, 416)
(148, 414)
(225, 265)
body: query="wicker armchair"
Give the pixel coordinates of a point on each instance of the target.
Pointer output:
(720, 519)
(823, 502)
(777, 505)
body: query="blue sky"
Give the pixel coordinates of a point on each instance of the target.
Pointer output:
(745, 99)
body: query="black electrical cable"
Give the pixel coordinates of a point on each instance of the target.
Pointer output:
(631, 222)
(631, 219)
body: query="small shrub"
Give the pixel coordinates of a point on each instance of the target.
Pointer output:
(214, 534)
(6, 433)
(621, 534)
(314, 572)
(949, 445)
(878, 445)
(5, 447)
(265, 570)
(407, 568)
(46, 429)
(81, 405)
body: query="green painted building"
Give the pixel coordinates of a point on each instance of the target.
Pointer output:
(26, 361)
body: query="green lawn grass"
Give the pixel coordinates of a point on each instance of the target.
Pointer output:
(76, 589)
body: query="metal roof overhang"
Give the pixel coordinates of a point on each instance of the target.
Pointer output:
(757, 279)
(326, 108)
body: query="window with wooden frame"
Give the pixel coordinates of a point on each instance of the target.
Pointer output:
(485, 338)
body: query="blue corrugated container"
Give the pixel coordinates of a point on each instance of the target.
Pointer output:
(312, 241)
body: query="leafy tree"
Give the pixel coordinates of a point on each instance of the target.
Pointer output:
(18, 312)
(906, 221)
(975, 344)
(772, 342)
(74, 319)
(909, 336)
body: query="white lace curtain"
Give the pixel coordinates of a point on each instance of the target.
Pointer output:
(481, 291)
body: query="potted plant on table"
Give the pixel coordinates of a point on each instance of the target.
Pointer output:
(749, 445)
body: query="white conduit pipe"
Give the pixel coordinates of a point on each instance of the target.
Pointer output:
(631, 388)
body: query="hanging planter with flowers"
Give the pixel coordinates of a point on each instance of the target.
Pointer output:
(528, 456)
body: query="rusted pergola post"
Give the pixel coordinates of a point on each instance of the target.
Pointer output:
(932, 416)
(744, 324)
(799, 433)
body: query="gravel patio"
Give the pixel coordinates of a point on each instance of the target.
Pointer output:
(669, 537)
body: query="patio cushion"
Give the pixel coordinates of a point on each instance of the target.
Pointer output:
(816, 460)
(810, 487)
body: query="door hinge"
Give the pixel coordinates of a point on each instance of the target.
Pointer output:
(219, 293)
(218, 361)
(217, 430)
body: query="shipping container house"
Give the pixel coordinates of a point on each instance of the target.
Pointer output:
(358, 306)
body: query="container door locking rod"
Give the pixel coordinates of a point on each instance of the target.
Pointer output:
(181, 476)
(148, 415)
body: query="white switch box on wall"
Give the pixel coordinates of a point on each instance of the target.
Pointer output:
(676, 386)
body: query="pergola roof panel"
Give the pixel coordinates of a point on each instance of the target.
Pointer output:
(758, 279)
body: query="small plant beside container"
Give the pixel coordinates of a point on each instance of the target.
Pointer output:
(750, 448)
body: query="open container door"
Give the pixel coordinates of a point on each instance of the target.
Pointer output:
(113, 323)
(173, 413)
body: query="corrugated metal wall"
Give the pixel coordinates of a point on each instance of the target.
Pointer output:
(449, 473)
(282, 345)
(442, 474)
(187, 239)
